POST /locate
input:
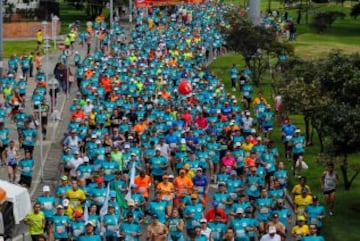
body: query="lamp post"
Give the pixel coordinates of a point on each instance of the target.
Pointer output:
(44, 25)
(53, 84)
(46, 51)
(54, 20)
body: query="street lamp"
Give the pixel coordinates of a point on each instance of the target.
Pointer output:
(53, 84)
(44, 24)
(54, 20)
(46, 51)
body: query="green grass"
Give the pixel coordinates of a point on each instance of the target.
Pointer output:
(19, 48)
(68, 15)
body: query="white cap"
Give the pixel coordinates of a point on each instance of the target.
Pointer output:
(60, 206)
(183, 141)
(46, 188)
(65, 202)
(133, 154)
(238, 143)
(203, 220)
(297, 131)
(89, 222)
(126, 146)
(239, 210)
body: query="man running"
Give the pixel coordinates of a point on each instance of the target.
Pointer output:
(328, 182)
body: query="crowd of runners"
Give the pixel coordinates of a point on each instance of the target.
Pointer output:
(142, 159)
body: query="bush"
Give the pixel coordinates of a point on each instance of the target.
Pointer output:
(355, 11)
(324, 20)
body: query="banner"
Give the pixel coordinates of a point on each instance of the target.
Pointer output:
(155, 3)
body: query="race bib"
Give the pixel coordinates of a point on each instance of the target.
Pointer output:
(48, 205)
(253, 188)
(77, 232)
(240, 233)
(60, 229)
(112, 228)
(264, 210)
(26, 169)
(99, 199)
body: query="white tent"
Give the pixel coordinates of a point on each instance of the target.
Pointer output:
(20, 198)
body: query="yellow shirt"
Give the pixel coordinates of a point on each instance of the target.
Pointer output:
(35, 222)
(247, 146)
(76, 197)
(298, 188)
(300, 231)
(301, 203)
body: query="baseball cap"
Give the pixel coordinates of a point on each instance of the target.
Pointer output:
(112, 193)
(46, 188)
(297, 131)
(171, 176)
(194, 196)
(64, 178)
(89, 223)
(133, 185)
(133, 154)
(60, 206)
(301, 218)
(77, 214)
(199, 169)
(239, 210)
(99, 180)
(238, 143)
(215, 203)
(233, 172)
(203, 220)
(131, 202)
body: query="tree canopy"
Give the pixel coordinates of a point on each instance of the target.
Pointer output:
(253, 42)
(327, 91)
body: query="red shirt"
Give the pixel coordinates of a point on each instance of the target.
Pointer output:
(210, 215)
(201, 122)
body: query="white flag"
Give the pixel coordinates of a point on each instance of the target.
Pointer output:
(86, 212)
(132, 180)
(104, 208)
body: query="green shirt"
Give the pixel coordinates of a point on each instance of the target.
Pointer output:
(118, 158)
(35, 222)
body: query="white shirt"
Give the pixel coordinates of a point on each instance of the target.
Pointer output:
(267, 237)
(74, 163)
(206, 233)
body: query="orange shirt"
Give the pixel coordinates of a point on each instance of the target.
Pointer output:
(165, 95)
(250, 162)
(166, 190)
(88, 74)
(140, 128)
(183, 185)
(143, 185)
(106, 83)
(78, 115)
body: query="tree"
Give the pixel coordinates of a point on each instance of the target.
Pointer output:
(326, 91)
(355, 11)
(252, 42)
(324, 20)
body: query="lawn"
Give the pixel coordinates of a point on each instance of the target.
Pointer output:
(19, 48)
(343, 35)
(339, 227)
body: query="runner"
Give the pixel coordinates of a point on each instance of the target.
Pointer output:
(328, 182)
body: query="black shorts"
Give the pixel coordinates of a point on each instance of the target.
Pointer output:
(12, 164)
(48, 223)
(240, 171)
(157, 178)
(44, 120)
(25, 180)
(67, 169)
(28, 148)
(328, 192)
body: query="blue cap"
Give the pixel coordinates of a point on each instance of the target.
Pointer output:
(215, 203)
(112, 194)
